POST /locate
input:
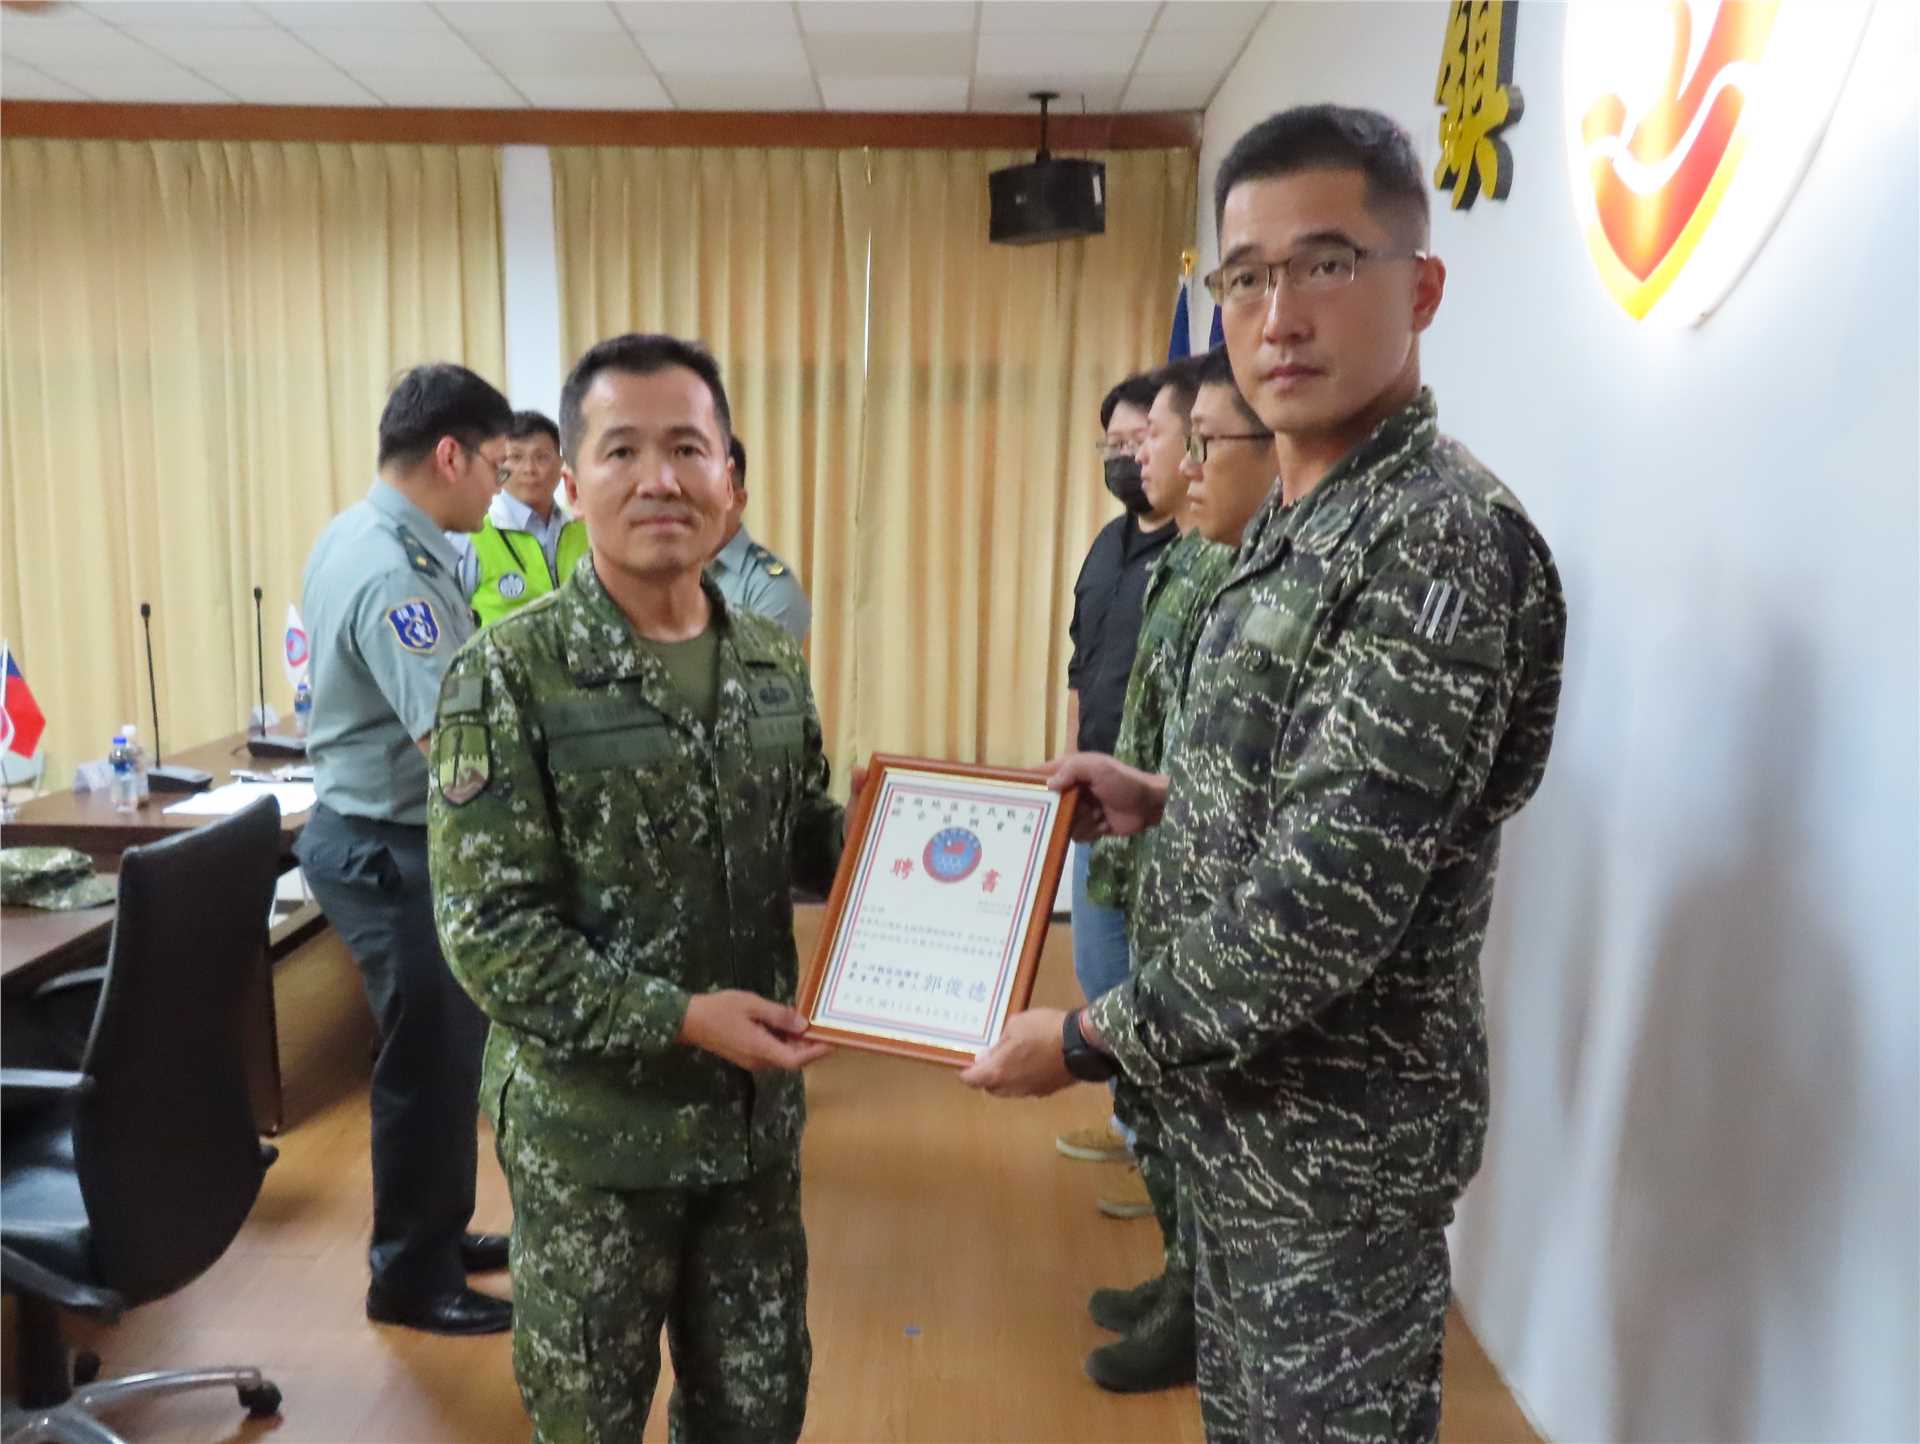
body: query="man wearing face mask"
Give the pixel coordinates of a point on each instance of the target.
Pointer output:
(1107, 599)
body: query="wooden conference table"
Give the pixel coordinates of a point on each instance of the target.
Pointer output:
(36, 945)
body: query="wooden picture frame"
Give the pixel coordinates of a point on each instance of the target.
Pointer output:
(929, 960)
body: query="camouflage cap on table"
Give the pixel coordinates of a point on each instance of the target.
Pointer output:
(52, 877)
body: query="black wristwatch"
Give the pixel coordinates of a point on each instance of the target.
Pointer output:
(1084, 1061)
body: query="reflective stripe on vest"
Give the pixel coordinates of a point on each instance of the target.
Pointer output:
(513, 568)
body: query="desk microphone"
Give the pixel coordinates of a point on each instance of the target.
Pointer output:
(165, 779)
(260, 742)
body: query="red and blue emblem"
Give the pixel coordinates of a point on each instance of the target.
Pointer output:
(952, 855)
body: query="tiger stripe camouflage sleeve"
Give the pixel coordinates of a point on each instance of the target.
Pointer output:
(500, 879)
(1421, 686)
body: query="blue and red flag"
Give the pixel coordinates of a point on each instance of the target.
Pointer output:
(21, 720)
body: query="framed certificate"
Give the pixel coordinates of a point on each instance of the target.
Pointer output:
(933, 930)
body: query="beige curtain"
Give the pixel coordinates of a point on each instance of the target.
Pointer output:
(920, 406)
(981, 491)
(195, 343)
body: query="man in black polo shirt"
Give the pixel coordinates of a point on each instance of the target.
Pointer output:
(1106, 628)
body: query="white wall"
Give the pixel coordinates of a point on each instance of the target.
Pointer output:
(535, 367)
(1697, 1219)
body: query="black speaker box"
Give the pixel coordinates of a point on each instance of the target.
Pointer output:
(1048, 200)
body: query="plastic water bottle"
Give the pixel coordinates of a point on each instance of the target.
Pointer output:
(302, 707)
(126, 784)
(132, 734)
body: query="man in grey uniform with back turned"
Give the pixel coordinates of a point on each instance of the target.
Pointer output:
(386, 616)
(748, 575)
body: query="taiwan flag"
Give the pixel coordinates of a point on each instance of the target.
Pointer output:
(21, 720)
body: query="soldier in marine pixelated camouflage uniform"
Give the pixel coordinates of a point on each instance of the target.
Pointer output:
(1156, 1317)
(617, 821)
(1372, 695)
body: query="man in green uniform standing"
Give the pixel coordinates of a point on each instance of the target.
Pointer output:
(1156, 1317)
(628, 778)
(1372, 695)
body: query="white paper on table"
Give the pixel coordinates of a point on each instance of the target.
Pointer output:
(224, 801)
(930, 939)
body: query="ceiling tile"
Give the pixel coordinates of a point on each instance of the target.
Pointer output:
(1185, 16)
(767, 54)
(354, 14)
(1009, 93)
(44, 39)
(594, 92)
(1169, 92)
(742, 92)
(894, 92)
(199, 14)
(292, 87)
(708, 17)
(866, 17)
(20, 81)
(578, 17)
(565, 52)
(157, 81)
(391, 49)
(1191, 53)
(200, 49)
(456, 88)
(886, 57)
(999, 17)
(1036, 52)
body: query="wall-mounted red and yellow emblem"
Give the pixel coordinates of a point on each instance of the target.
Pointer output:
(1689, 124)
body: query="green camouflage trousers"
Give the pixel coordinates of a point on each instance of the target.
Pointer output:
(597, 1273)
(1326, 1336)
(1165, 1180)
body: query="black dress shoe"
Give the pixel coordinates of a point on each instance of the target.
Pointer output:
(482, 1253)
(464, 1311)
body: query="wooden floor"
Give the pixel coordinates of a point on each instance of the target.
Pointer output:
(952, 1252)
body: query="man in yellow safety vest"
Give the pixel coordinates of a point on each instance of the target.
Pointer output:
(529, 544)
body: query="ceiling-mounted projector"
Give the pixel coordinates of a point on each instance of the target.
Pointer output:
(1050, 200)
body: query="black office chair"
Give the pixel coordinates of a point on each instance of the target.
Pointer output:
(128, 1179)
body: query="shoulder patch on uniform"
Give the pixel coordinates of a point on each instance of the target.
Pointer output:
(463, 694)
(415, 626)
(418, 557)
(462, 759)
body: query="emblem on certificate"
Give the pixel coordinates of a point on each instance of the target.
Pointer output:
(933, 930)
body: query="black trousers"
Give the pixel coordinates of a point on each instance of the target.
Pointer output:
(370, 879)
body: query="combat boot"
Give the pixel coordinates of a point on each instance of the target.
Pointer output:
(1118, 1310)
(1158, 1354)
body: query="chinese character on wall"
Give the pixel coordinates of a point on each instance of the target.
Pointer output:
(1478, 100)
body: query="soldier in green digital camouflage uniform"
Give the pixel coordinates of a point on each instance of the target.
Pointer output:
(628, 778)
(1372, 694)
(1156, 1317)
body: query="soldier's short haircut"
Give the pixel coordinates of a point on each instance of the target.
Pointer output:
(738, 451)
(1137, 390)
(1335, 137)
(1216, 369)
(1183, 376)
(637, 354)
(435, 400)
(532, 423)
